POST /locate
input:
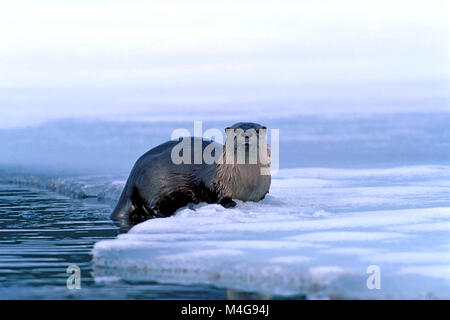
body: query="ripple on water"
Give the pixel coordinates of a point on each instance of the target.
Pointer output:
(42, 233)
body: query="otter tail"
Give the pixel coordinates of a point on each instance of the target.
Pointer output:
(123, 207)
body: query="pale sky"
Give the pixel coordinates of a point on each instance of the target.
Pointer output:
(153, 59)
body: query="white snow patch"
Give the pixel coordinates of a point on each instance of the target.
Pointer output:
(315, 234)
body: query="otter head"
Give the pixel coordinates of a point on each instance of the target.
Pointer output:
(245, 174)
(244, 139)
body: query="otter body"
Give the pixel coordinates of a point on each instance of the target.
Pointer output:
(157, 187)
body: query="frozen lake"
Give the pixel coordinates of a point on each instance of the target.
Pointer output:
(352, 192)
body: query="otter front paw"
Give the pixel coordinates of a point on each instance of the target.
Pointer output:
(227, 202)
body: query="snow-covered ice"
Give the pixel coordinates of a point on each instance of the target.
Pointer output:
(381, 197)
(315, 234)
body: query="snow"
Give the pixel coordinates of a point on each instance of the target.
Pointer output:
(315, 234)
(353, 191)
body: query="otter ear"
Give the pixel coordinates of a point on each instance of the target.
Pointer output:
(262, 128)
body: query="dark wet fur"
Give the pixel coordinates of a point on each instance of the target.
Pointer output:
(157, 187)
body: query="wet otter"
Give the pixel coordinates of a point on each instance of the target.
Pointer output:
(157, 187)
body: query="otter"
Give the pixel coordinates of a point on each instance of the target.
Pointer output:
(157, 187)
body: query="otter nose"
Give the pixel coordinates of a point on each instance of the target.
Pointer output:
(247, 134)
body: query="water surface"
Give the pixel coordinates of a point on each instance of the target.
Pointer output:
(42, 233)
